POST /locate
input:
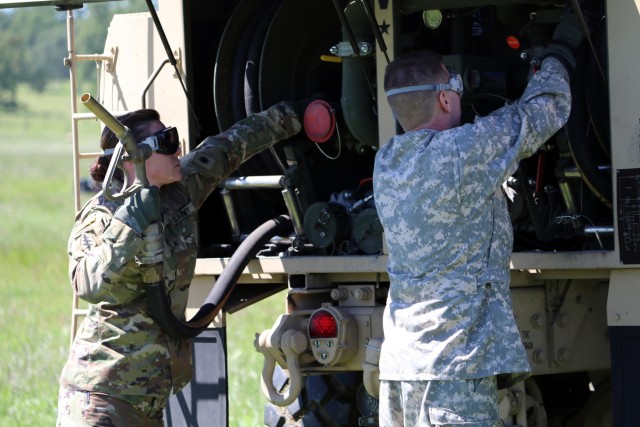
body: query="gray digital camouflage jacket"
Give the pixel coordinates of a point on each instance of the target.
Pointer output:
(118, 348)
(439, 198)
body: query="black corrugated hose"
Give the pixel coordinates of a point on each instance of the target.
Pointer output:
(159, 304)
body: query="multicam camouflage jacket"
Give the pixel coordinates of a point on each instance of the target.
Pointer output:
(119, 349)
(438, 195)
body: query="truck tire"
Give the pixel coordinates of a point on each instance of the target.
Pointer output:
(325, 401)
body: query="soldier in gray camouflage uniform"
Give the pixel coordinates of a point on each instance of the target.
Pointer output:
(448, 324)
(122, 367)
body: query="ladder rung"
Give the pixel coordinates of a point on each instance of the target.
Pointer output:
(95, 57)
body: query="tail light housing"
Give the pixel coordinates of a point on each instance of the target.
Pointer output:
(333, 334)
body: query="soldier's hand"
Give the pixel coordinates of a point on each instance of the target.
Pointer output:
(141, 209)
(569, 35)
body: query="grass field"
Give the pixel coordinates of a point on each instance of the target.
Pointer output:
(37, 210)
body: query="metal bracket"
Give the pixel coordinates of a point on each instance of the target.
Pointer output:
(567, 318)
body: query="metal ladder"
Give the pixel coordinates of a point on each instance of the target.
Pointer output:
(70, 61)
(108, 62)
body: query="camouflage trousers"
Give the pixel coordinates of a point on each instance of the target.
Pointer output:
(472, 403)
(84, 409)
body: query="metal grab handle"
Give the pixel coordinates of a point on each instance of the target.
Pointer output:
(292, 343)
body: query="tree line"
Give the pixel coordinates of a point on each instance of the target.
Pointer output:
(33, 42)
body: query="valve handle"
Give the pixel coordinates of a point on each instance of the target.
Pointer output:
(129, 189)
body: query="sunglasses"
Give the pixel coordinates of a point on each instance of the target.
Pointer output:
(164, 142)
(455, 84)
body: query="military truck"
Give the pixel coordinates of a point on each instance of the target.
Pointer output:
(574, 205)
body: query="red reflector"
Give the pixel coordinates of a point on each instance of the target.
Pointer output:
(322, 324)
(513, 42)
(319, 121)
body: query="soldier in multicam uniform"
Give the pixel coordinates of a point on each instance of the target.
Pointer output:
(449, 328)
(122, 367)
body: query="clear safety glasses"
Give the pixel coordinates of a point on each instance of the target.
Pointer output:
(455, 84)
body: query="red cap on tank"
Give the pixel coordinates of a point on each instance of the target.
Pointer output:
(319, 121)
(513, 42)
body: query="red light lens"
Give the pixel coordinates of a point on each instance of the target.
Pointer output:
(513, 42)
(322, 324)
